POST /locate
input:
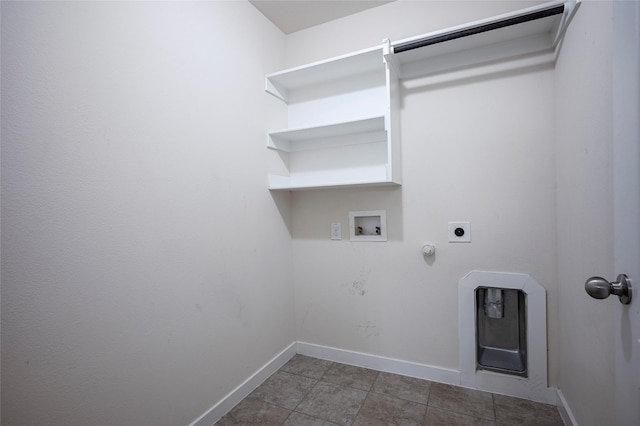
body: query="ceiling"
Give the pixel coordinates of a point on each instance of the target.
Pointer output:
(295, 15)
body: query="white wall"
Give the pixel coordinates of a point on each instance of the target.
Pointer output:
(584, 84)
(479, 149)
(146, 270)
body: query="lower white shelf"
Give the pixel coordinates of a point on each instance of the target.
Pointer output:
(337, 166)
(288, 183)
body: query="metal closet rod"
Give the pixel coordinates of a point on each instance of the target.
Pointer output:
(479, 29)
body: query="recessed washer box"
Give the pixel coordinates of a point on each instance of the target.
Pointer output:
(368, 225)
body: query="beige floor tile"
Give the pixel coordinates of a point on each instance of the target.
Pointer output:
(299, 419)
(306, 366)
(516, 411)
(439, 417)
(383, 410)
(333, 403)
(252, 411)
(462, 400)
(284, 389)
(349, 375)
(402, 387)
(313, 392)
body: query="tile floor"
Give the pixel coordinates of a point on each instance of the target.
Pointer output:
(314, 392)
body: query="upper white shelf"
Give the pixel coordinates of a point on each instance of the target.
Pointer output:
(531, 30)
(364, 61)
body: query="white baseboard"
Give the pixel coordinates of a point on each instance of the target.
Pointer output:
(359, 359)
(375, 362)
(225, 405)
(423, 371)
(565, 411)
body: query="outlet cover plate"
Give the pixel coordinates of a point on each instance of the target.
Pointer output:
(466, 229)
(336, 231)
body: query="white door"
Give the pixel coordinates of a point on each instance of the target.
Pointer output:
(626, 166)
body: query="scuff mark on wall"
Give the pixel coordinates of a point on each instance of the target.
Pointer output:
(356, 287)
(369, 329)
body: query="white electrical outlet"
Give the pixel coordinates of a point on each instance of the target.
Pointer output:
(336, 231)
(459, 232)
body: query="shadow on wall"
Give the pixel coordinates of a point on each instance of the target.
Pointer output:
(313, 211)
(474, 74)
(282, 200)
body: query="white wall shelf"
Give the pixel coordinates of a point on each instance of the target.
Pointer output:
(342, 127)
(281, 83)
(342, 113)
(345, 133)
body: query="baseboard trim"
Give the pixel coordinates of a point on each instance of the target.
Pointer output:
(565, 411)
(389, 365)
(358, 359)
(225, 405)
(427, 372)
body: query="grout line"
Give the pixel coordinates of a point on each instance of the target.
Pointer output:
(361, 405)
(493, 405)
(368, 393)
(312, 388)
(426, 411)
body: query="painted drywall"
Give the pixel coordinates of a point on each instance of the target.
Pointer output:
(584, 84)
(146, 269)
(479, 149)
